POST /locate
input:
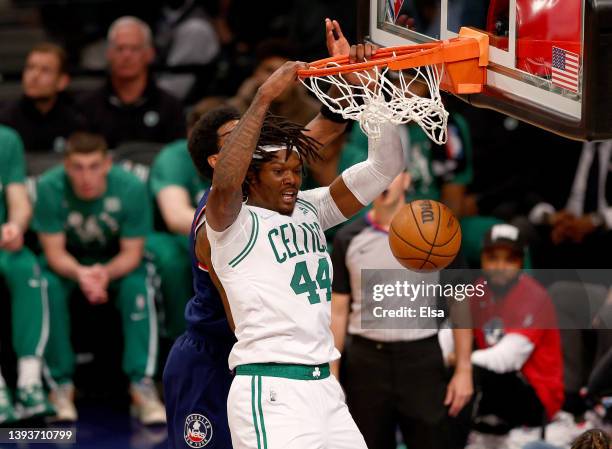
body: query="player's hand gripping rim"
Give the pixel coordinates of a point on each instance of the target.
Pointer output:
(280, 79)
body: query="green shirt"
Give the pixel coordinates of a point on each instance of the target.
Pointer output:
(173, 167)
(93, 228)
(430, 165)
(12, 165)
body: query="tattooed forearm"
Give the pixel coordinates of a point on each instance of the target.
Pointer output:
(225, 199)
(236, 154)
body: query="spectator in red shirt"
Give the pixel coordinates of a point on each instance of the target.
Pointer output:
(518, 361)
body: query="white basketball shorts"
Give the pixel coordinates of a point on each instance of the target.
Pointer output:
(267, 412)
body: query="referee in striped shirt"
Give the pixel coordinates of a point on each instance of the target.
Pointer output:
(393, 377)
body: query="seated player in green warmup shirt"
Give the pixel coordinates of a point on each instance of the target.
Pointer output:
(20, 273)
(92, 219)
(177, 188)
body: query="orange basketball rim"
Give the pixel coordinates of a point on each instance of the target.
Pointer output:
(464, 58)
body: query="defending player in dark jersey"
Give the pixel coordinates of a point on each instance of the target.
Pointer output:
(196, 377)
(177, 188)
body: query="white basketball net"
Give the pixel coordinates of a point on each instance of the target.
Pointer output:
(376, 99)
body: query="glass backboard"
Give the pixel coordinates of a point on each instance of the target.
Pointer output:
(545, 56)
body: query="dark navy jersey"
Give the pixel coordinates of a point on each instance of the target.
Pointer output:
(204, 312)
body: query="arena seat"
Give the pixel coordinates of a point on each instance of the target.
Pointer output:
(577, 304)
(39, 162)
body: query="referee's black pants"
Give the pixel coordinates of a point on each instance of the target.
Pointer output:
(398, 384)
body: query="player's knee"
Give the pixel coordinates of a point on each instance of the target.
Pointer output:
(135, 293)
(23, 263)
(52, 286)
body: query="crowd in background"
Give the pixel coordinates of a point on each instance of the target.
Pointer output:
(177, 61)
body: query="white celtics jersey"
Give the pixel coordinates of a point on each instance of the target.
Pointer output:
(277, 275)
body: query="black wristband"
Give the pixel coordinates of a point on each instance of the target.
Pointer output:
(332, 116)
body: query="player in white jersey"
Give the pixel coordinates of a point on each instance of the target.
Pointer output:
(269, 254)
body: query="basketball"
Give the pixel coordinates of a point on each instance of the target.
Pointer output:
(425, 236)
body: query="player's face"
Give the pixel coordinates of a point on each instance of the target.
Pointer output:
(41, 77)
(87, 174)
(128, 53)
(278, 183)
(501, 264)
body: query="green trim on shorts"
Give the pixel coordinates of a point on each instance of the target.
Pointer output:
(262, 423)
(250, 244)
(254, 413)
(287, 371)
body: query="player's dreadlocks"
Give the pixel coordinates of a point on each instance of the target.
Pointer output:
(278, 131)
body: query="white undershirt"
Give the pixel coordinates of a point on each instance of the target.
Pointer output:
(509, 354)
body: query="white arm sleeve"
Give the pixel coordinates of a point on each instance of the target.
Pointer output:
(386, 160)
(510, 354)
(327, 212)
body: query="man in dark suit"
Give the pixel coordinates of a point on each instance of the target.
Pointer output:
(575, 220)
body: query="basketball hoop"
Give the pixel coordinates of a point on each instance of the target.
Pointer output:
(384, 91)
